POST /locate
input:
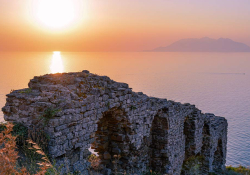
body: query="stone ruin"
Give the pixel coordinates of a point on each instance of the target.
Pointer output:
(130, 131)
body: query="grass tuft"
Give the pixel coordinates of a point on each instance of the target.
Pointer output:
(48, 114)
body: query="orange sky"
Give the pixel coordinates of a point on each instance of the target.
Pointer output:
(129, 25)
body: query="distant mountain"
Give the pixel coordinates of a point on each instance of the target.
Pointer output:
(204, 45)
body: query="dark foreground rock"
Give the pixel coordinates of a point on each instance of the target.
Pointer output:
(131, 132)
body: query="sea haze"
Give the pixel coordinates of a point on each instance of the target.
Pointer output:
(204, 45)
(215, 82)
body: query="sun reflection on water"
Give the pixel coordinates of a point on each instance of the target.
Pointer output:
(56, 63)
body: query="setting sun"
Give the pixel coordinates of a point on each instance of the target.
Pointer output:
(55, 14)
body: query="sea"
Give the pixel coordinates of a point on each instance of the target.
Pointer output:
(217, 83)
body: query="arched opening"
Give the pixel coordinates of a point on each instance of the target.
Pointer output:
(193, 161)
(206, 139)
(218, 157)
(158, 148)
(189, 138)
(112, 140)
(205, 149)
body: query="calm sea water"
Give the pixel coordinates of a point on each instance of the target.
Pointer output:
(218, 83)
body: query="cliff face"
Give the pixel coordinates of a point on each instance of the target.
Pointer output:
(82, 110)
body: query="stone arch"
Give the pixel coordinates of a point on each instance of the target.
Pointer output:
(112, 139)
(218, 157)
(158, 147)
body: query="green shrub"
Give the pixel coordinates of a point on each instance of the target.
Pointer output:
(132, 107)
(26, 91)
(21, 132)
(28, 157)
(48, 114)
(2, 127)
(240, 170)
(151, 173)
(192, 165)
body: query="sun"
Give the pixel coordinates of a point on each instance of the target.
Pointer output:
(56, 14)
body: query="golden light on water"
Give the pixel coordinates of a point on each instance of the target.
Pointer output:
(56, 63)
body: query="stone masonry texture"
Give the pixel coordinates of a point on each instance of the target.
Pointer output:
(82, 110)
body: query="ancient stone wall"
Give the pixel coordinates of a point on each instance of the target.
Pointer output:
(129, 131)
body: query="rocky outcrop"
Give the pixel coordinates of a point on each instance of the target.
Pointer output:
(82, 110)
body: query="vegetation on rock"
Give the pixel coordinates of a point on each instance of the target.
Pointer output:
(48, 114)
(9, 154)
